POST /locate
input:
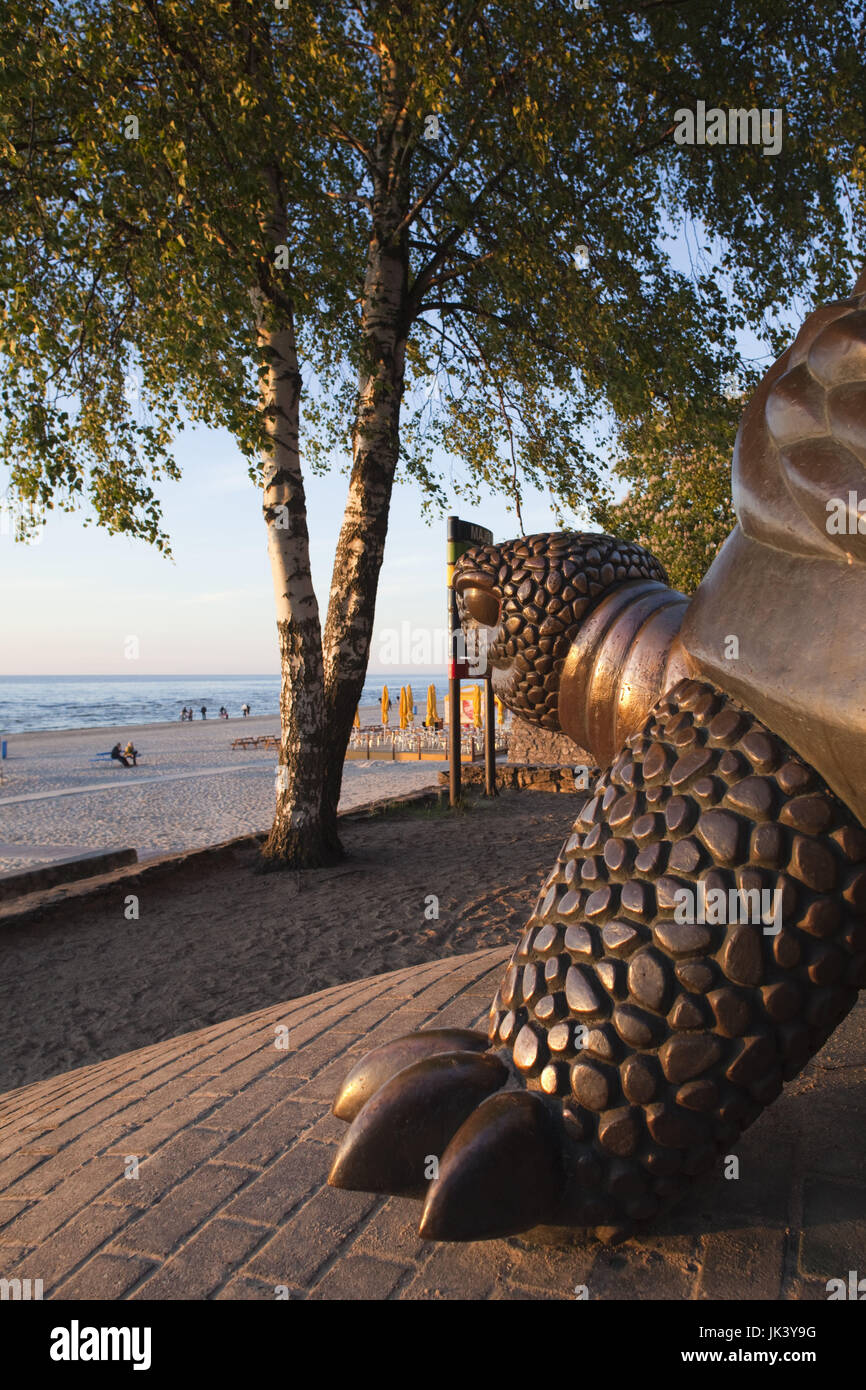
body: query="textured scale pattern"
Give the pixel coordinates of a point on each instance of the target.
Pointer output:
(660, 1039)
(547, 584)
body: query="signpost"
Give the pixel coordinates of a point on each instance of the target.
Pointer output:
(462, 535)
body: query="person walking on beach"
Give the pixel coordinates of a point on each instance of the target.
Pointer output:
(118, 756)
(245, 709)
(204, 711)
(183, 713)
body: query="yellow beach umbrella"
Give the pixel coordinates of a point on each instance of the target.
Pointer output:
(500, 710)
(386, 704)
(410, 704)
(403, 703)
(432, 712)
(358, 717)
(476, 705)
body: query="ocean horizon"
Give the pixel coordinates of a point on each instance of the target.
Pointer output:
(32, 703)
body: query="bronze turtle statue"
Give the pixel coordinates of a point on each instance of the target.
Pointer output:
(703, 930)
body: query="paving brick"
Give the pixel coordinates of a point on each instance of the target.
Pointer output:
(271, 1135)
(656, 1268)
(204, 1263)
(281, 1187)
(460, 1014)
(833, 1239)
(313, 1236)
(751, 1259)
(213, 1064)
(460, 1271)
(181, 1211)
(242, 1287)
(514, 1293)
(404, 1021)
(105, 1276)
(163, 1170)
(393, 1234)
(359, 1277)
(436, 995)
(327, 1081)
(40, 1181)
(327, 1129)
(86, 1233)
(9, 1209)
(16, 1166)
(554, 1266)
(815, 1291)
(149, 1134)
(75, 1192)
(231, 1114)
(308, 1060)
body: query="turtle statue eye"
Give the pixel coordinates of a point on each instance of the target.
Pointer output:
(481, 605)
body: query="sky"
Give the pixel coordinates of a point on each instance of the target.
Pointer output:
(82, 602)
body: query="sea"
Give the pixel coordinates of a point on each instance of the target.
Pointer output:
(29, 703)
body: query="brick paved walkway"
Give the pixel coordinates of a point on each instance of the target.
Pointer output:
(234, 1139)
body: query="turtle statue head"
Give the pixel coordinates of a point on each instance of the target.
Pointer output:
(529, 598)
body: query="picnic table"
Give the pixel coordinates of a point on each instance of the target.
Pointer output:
(261, 741)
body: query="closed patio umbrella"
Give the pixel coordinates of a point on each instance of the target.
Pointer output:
(410, 704)
(476, 705)
(432, 712)
(358, 717)
(403, 707)
(386, 704)
(500, 710)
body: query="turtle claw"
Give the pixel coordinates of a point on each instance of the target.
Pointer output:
(378, 1066)
(502, 1173)
(409, 1121)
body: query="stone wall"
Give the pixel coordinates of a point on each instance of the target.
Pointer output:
(529, 744)
(523, 777)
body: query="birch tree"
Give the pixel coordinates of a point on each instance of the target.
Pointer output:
(434, 235)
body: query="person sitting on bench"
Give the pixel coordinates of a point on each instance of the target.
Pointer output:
(118, 756)
(132, 752)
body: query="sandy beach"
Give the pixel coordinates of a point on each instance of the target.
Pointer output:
(190, 789)
(211, 945)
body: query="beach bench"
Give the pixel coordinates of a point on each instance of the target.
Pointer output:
(106, 757)
(261, 741)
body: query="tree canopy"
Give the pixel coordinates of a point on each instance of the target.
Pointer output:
(139, 141)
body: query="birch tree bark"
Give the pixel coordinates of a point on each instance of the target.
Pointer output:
(300, 836)
(375, 442)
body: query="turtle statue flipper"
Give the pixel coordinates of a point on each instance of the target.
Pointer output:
(703, 930)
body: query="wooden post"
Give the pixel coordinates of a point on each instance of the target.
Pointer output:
(489, 740)
(462, 535)
(454, 740)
